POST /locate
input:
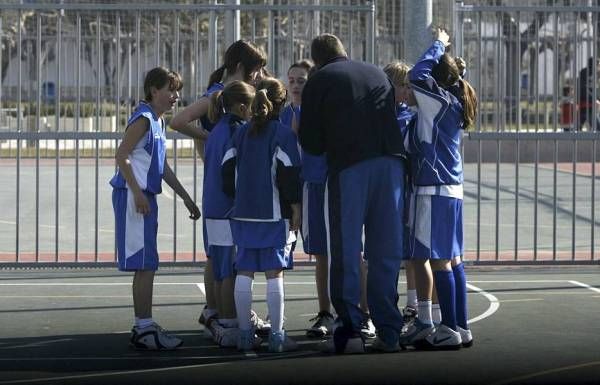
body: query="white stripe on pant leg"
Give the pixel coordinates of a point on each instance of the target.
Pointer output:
(326, 212)
(423, 220)
(134, 228)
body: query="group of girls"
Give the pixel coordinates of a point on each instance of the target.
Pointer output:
(260, 189)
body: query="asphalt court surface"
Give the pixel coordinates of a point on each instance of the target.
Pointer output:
(535, 325)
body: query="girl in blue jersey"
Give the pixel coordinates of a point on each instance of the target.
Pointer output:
(230, 108)
(143, 166)
(313, 175)
(261, 171)
(242, 61)
(446, 105)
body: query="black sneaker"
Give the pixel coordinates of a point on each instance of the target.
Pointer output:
(323, 325)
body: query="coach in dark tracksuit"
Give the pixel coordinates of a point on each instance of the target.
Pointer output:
(348, 112)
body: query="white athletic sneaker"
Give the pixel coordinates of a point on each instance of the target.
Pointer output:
(415, 332)
(323, 325)
(154, 337)
(367, 329)
(205, 320)
(466, 337)
(279, 342)
(443, 338)
(261, 327)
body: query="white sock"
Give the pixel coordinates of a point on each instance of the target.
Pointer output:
(141, 323)
(424, 311)
(229, 322)
(411, 298)
(275, 303)
(243, 300)
(436, 313)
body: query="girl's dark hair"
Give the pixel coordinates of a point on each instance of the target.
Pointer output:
(305, 64)
(270, 97)
(236, 92)
(158, 78)
(241, 52)
(446, 73)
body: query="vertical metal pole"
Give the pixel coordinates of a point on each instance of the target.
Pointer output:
(291, 37)
(157, 27)
(537, 142)
(212, 40)
(498, 102)
(479, 125)
(38, 56)
(57, 115)
(574, 198)
(594, 142)
(19, 130)
(554, 171)
(97, 147)
(271, 40)
(196, 58)
(518, 153)
(117, 103)
(77, 119)
(138, 52)
(371, 25)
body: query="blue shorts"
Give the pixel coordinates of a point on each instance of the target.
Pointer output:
(436, 227)
(264, 259)
(135, 233)
(219, 246)
(314, 233)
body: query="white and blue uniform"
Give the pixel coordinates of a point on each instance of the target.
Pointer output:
(262, 173)
(216, 205)
(136, 233)
(436, 164)
(313, 176)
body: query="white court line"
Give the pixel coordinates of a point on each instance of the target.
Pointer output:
(128, 284)
(577, 283)
(202, 288)
(522, 300)
(494, 304)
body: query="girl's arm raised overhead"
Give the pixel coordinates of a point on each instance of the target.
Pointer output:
(134, 133)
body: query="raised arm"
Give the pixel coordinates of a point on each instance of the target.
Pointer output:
(182, 122)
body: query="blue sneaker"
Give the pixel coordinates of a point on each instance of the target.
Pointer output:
(415, 332)
(279, 342)
(248, 341)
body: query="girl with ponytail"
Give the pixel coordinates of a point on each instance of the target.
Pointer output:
(261, 170)
(446, 105)
(242, 61)
(230, 108)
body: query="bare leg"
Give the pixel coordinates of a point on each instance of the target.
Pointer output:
(209, 285)
(143, 283)
(226, 300)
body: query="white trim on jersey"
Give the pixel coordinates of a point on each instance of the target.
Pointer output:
(276, 205)
(230, 154)
(447, 190)
(283, 157)
(218, 232)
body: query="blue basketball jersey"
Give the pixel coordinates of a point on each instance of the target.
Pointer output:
(215, 203)
(148, 157)
(434, 141)
(262, 172)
